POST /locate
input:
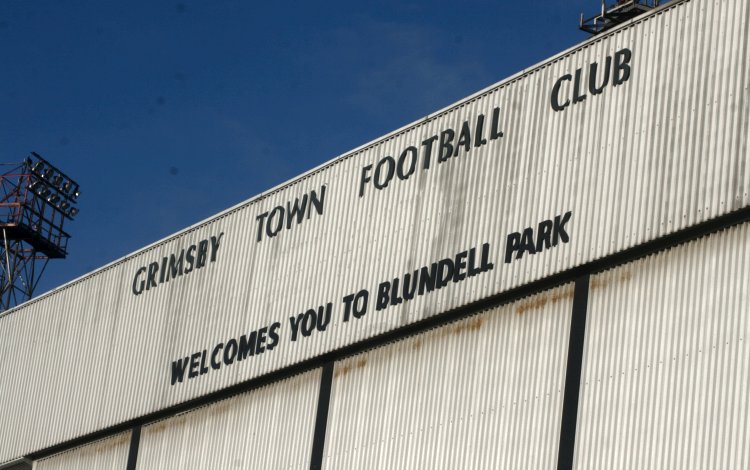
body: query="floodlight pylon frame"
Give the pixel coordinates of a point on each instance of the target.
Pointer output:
(22, 269)
(618, 13)
(33, 208)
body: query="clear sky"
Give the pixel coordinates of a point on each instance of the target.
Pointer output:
(167, 112)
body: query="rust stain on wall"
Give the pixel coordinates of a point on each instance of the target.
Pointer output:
(223, 406)
(476, 323)
(343, 370)
(536, 303)
(603, 281)
(350, 365)
(160, 426)
(464, 325)
(600, 282)
(540, 301)
(110, 443)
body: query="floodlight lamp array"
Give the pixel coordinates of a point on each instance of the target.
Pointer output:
(52, 185)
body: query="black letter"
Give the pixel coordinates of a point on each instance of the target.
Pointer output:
(622, 69)
(388, 176)
(295, 325)
(360, 303)
(446, 145)
(308, 326)
(214, 363)
(544, 231)
(247, 346)
(458, 275)
(230, 351)
(383, 299)
(317, 203)
(445, 272)
(410, 285)
(395, 299)
(189, 259)
(559, 230)
(323, 324)
(486, 264)
(427, 144)
(175, 265)
(215, 246)
(479, 139)
(163, 269)
(152, 269)
(577, 96)
(139, 289)
(512, 244)
(556, 93)
(204, 369)
(464, 138)
(496, 132)
(194, 364)
(271, 232)
(273, 335)
(427, 278)
(364, 179)
(347, 307)
(296, 210)
(412, 164)
(178, 369)
(202, 253)
(260, 220)
(592, 76)
(527, 243)
(259, 347)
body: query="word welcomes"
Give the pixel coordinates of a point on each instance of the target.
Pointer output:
(226, 353)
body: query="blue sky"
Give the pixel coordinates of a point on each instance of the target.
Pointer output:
(167, 112)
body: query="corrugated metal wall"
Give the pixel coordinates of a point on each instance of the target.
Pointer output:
(661, 152)
(107, 454)
(271, 427)
(485, 392)
(666, 367)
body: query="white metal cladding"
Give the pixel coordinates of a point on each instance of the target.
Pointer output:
(666, 365)
(485, 392)
(107, 454)
(271, 427)
(663, 151)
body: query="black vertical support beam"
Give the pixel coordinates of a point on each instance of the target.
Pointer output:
(573, 375)
(135, 440)
(321, 419)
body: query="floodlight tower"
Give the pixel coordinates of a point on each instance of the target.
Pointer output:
(35, 200)
(617, 12)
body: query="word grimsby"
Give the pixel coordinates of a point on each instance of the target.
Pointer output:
(184, 262)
